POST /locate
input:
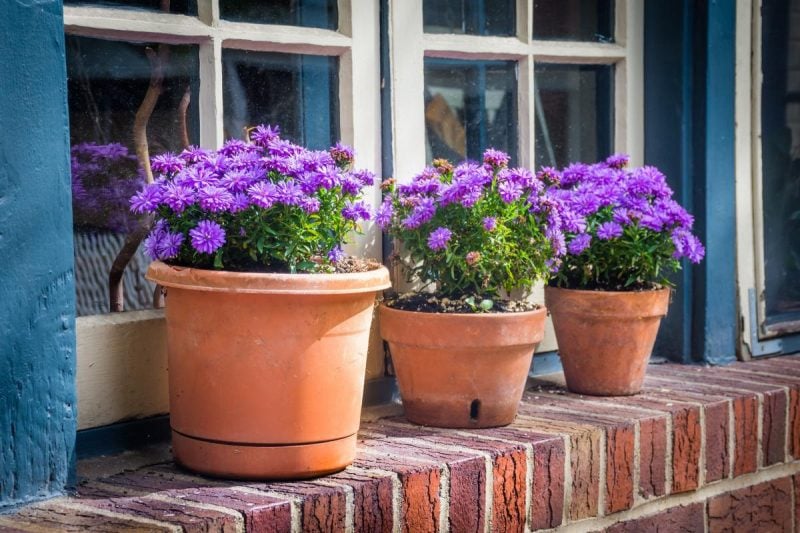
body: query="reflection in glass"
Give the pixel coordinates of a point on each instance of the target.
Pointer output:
(311, 13)
(470, 106)
(299, 93)
(574, 20)
(780, 144)
(574, 113)
(181, 7)
(107, 83)
(474, 17)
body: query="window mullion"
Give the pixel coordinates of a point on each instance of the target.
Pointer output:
(629, 86)
(210, 104)
(208, 12)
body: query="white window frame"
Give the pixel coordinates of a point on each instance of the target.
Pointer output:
(121, 357)
(410, 45)
(754, 338)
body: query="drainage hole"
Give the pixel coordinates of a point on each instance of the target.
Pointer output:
(474, 409)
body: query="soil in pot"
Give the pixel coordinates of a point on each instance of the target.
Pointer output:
(461, 370)
(605, 338)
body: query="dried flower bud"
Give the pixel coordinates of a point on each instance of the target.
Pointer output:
(442, 165)
(473, 258)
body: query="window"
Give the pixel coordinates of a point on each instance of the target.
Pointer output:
(549, 81)
(222, 65)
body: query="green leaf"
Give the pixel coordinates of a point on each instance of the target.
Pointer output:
(218, 259)
(487, 304)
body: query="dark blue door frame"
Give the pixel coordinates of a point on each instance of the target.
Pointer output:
(37, 331)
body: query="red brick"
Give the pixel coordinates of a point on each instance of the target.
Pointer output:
(717, 426)
(652, 457)
(508, 463)
(763, 507)
(796, 479)
(773, 436)
(467, 487)
(779, 365)
(547, 485)
(323, 507)
(60, 518)
(585, 456)
(745, 415)
(688, 518)
(372, 500)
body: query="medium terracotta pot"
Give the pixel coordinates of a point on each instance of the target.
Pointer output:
(266, 371)
(605, 338)
(461, 370)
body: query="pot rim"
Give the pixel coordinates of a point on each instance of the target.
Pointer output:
(198, 279)
(605, 292)
(469, 316)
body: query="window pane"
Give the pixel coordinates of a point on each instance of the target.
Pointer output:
(470, 106)
(574, 20)
(299, 93)
(312, 13)
(780, 145)
(476, 17)
(107, 82)
(182, 7)
(574, 113)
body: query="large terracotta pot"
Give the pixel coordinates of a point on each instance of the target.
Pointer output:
(605, 338)
(461, 370)
(266, 371)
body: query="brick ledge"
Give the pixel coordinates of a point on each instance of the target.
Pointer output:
(694, 443)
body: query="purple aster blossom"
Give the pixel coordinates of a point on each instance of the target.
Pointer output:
(169, 245)
(233, 147)
(178, 197)
(328, 178)
(247, 161)
(438, 238)
(617, 160)
(574, 173)
(364, 177)
(421, 214)
(521, 177)
(336, 254)
(151, 244)
(687, 245)
(309, 204)
(496, 158)
(146, 200)
(549, 176)
(672, 214)
(342, 154)
(315, 160)
(263, 194)
(608, 231)
(214, 199)
(240, 202)
(509, 191)
(288, 192)
(168, 163)
(282, 148)
(264, 135)
(355, 211)
(572, 221)
(559, 243)
(427, 186)
(350, 186)
(197, 177)
(651, 222)
(194, 154)
(489, 223)
(384, 213)
(622, 216)
(579, 243)
(207, 237)
(584, 203)
(238, 180)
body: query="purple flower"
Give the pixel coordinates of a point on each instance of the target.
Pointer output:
(214, 199)
(438, 238)
(207, 237)
(146, 200)
(421, 214)
(196, 177)
(309, 204)
(336, 254)
(233, 147)
(617, 160)
(166, 163)
(687, 245)
(178, 197)
(509, 191)
(608, 231)
(364, 177)
(489, 223)
(240, 202)
(355, 211)
(574, 173)
(170, 245)
(383, 215)
(237, 180)
(579, 243)
(263, 194)
(264, 135)
(549, 176)
(194, 154)
(288, 193)
(495, 158)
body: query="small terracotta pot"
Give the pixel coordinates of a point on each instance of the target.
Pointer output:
(461, 370)
(605, 338)
(266, 371)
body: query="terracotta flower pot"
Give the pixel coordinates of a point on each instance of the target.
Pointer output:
(461, 370)
(266, 371)
(605, 338)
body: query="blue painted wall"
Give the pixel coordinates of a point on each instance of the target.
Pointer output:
(37, 294)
